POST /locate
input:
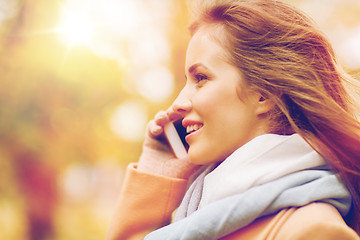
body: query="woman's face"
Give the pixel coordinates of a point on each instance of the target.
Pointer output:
(218, 121)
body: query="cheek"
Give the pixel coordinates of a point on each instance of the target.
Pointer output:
(203, 103)
(217, 103)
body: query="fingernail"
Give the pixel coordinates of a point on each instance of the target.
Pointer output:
(163, 115)
(157, 130)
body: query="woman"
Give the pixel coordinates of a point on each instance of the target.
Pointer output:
(273, 137)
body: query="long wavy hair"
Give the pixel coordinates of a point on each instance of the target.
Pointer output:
(283, 55)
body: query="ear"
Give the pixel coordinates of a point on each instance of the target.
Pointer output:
(263, 105)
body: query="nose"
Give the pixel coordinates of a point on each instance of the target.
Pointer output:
(182, 104)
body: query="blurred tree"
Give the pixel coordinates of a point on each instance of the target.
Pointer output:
(55, 110)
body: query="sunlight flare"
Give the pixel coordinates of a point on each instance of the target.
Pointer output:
(76, 28)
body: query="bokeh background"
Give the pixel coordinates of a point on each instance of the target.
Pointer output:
(79, 79)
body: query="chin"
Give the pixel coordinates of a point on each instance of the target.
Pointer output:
(199, 159)
(195, 158)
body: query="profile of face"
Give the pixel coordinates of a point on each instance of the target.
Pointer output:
(220, 115)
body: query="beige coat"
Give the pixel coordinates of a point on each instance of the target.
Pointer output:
(147, 201)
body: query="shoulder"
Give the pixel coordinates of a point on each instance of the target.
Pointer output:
(314, 221)
(319, 221)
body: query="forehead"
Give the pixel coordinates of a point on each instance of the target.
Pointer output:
(208, 41)
(216, 31)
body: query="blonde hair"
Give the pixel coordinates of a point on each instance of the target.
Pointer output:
(283, 56)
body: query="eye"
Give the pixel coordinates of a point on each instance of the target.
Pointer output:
(200, 77)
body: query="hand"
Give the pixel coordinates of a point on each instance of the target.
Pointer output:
(157, 156)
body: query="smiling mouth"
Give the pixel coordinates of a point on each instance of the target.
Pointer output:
(193, 128)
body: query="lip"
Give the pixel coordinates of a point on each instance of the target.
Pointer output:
(190, 136)
(188, 122)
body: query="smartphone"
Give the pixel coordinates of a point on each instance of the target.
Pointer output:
(175, 133)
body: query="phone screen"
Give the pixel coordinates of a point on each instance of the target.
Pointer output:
(182, 132)
(175, 134)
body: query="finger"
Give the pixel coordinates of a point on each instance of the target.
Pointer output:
(154, 129)
(161, 118)
(173, 115)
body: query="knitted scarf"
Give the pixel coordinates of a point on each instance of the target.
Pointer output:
(269, 173)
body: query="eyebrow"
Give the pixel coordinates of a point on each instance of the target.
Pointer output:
(195, 66)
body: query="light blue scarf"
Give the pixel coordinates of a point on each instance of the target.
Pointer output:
(227, 215)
